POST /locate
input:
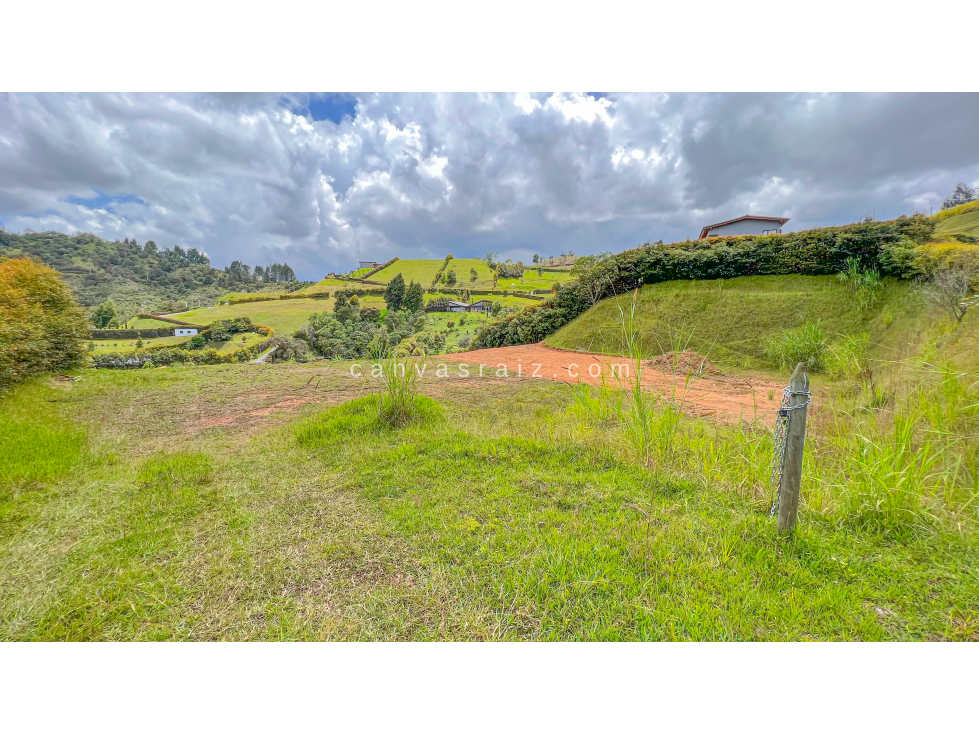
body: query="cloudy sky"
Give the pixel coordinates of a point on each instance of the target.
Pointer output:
(321, 181)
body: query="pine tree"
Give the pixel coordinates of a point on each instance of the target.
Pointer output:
(105, 314)
(394, 294)
(415, 297)
(963, 194)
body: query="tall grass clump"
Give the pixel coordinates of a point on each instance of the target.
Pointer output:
(865, 283)
(808, 343)
(397, 406)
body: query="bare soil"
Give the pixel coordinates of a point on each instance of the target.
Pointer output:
(705, 393)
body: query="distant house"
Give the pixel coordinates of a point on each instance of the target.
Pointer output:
(458, 306)
(369, 264)
(748, 224)
(178, 331)
(482, 306)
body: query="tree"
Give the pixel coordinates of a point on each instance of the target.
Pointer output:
(473, 275)
(963, 194)
(536, 258)
(394, 294)
(496, 308)
(950, 289)
(41, 326)
(451, 278)
(490, 259)
(104, 314)
(414, 297)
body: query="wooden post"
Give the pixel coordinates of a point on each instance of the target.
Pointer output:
(795, 439)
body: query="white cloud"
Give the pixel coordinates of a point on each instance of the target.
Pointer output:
(246, 177)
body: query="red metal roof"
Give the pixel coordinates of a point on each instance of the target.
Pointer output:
(709, 227)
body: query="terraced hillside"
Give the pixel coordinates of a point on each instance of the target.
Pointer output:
(424, 272)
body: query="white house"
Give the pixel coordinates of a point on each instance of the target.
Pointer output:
(178, 331)
(748, 224)
(458, 306)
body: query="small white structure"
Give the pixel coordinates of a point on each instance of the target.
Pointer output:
(184, 332)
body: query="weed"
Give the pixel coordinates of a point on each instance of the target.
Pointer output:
(807, 344)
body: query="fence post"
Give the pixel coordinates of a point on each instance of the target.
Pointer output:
(795, 439)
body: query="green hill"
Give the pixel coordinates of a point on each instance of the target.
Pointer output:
(424, 272)
(136, 277)
(731, 320)
(960, 220)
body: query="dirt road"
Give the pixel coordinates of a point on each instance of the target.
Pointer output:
(721, 397)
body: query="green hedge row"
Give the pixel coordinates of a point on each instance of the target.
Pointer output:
(129, 333)
(887, 246)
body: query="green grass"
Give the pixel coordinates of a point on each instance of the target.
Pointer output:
(439, 322)
(734, 320)
(141, 323)
(500, 515)
(532, 281)
(424, 271)
(127, 345)
(965, 223)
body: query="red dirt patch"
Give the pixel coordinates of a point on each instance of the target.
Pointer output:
(279, 406)
(684, 363)
(724, 398)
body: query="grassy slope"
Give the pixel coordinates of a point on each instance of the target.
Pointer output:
(967, 223)
(731, 319)
(283, 316)
(504, 519)
(424, 271)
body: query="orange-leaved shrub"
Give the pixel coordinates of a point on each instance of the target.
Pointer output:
(41, 326)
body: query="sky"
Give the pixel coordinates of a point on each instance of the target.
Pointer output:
(324, 180)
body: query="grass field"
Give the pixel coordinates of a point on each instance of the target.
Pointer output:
(963, 219)
(283, 316)
(532, 281)
(424, 271)
(141, 323)
(245, 502)
(731, 320)
(127, 345)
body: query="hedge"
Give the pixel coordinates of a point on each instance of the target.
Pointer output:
(129, 333)
(160, 356)
(379, 268)
(890, 247)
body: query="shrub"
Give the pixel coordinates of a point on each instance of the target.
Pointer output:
(465, 342)
(805, 344)
(450, 324)
(196, 342)
(41, 326)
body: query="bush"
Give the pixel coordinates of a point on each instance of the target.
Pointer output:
(196, 342)
(450, 324)
(41, 326)
(807, 344)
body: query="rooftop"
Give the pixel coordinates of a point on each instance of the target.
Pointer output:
(749, 217)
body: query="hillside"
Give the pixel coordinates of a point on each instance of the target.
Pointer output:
(960, 220)
(424, 271)
(732, 320)
(136, 277)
